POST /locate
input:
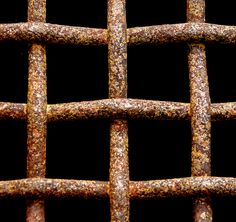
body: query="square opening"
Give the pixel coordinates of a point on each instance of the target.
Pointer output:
(11, 12)
(158, 73)
(161, 210)
(155, 13)
(78, 13)
(76, 73)
(77, 210)
(78, 150)
(221, 72)
(223, 208)
(219, 13)
(223, 149)
(13, 210)
(13, 150)
(159, 150)
(14, 72)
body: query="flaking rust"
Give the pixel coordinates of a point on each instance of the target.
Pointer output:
(118, 108)
(200, 112)
(36, 112)
(46, 33)
(201, 185)
(117, 66)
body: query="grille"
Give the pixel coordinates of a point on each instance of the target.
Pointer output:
(118, 109)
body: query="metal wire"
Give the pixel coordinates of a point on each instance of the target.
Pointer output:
(36, 111)
(200, 111)
(119, 189)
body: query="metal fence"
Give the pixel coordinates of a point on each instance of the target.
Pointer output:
(201, 186)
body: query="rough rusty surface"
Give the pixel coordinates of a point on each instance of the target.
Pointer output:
(119, 171)
(117, 66)
(223, 111)
(185, 32)
(51, 33)
(200, 112)
(196, 10)
(117, 49)
(59, 188)
(202, 209)
(152, 189)
(118, 108)
(183, 187)
(36, 111)
(38, 32)
(15, 111)
(201, 186)
(133, 109)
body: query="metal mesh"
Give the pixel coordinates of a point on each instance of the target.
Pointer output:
(118, 108)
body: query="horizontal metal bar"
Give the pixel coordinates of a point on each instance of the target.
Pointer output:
(184, 187)
(50, 33)
(185, 32)
(14, 111)
(41, 188)
(63, 188)
(118, 108)
(158, 34)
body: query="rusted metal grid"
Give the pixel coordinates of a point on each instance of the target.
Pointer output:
(201, 185)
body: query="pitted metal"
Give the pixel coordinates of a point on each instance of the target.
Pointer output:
(201, 186)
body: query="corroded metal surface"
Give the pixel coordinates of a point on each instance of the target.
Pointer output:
(59, 188)
(201, 186)
(51, 33)
(183, 187)
(36, 111)
(118, 108)
(157, 34)
(200, 112)
(15, 111)
(185, 32)
(152, 189)
(117, 66)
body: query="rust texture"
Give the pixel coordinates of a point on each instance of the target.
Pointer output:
(51, 33)
(152, 189)
(117, 66)
(36, 111)
(59, 188)
(132, 109)
(118, 108)
(185, 32)
(38, 32)
(15, 111)
(200, 112)
(183, 187)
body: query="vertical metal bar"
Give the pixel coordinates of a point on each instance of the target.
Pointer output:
(36, 111)
(200, 111)
(117, 59)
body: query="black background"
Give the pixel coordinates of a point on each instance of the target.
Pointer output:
(80, 150)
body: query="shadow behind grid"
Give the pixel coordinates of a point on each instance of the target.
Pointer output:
(76, 73)
(80, 149)
(158, 73)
